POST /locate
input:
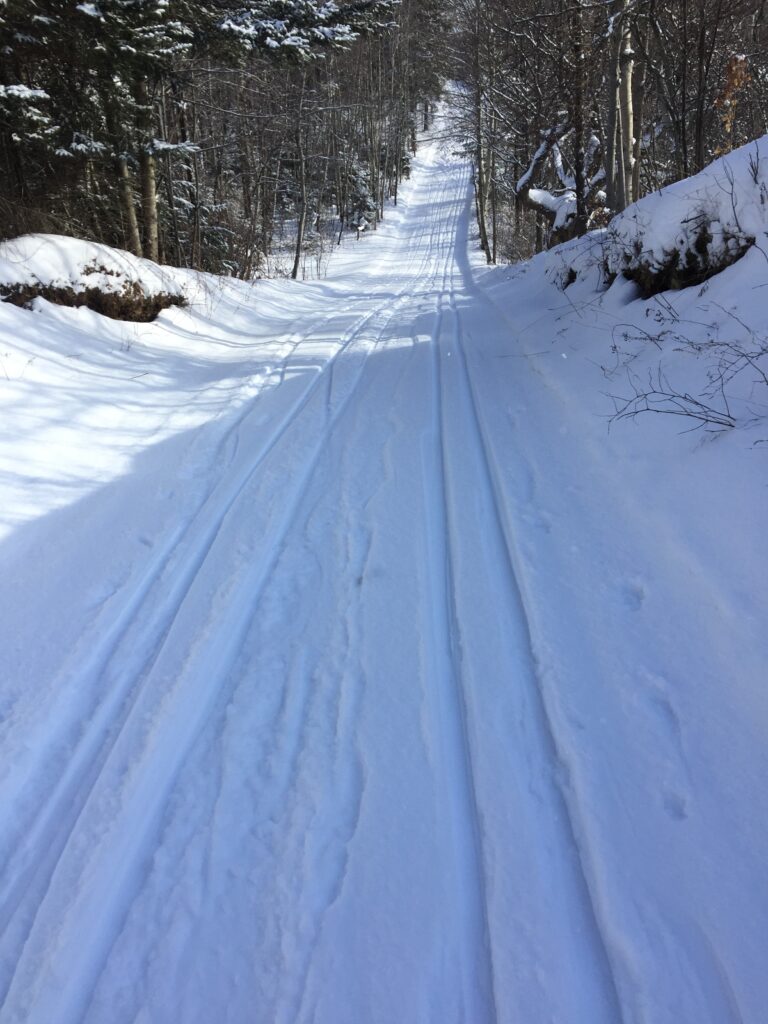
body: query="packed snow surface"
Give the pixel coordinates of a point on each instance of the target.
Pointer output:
(352, 671)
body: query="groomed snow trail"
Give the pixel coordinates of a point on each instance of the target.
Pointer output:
(319, 757)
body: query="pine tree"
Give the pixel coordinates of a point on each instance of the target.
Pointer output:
(188, 131)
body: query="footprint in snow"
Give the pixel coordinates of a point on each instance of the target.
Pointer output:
(634, 595)
(675, 805)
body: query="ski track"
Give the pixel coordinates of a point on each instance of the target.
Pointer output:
(74, 790)
(157, 627)
(306, 765)
(547, 735)
(39, 855)
(181, 557)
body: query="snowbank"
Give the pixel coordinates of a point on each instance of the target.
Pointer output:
(696, 354)
(692, 229)
(72, 272)
(684, 233)
(60, 261)
(729, 198)
(81, 393)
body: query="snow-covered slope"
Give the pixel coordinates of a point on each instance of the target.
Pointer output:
(352, 671)
(681, 235)
(708, 220)
(60, 262)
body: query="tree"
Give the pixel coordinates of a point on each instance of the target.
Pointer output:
(192, 131)
(581, 108)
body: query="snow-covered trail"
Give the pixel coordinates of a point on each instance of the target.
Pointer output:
(378, 724)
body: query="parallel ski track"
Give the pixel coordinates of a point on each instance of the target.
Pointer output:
(31, 870)
(291, 1005)
(545, 731)
(346, 772)
(72, 794)
(458, 787)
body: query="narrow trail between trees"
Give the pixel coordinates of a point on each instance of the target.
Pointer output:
(352, 742)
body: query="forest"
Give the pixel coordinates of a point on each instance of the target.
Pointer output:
(246, 139)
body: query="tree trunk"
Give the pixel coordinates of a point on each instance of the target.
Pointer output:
(539, 231)
(613, 80)
(179, 258)
(639, 85)
(494, 212)
(128, 207)
(580, 225)
(621, 172)
(149, 204)
(627, 117)
(302, 224)
(147, 174)
(684, 93)
(124, 184)
(197, 234)
(481, 188)
(480, 181)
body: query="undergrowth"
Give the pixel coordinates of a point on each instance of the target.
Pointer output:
(129, 303)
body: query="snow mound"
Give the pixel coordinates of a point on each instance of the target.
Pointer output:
(684, 233)
(72, 272)
(690, 230)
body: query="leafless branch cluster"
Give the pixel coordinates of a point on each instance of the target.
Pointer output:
(734, 387)
(573, 111)
(656, 394)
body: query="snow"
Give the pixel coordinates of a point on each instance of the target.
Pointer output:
(528, 174)
(22, 92)
(91, 10)
(563, 206)
(276, 32)
(161, 146)
(731, 196)
(62, 262)
(353, 671)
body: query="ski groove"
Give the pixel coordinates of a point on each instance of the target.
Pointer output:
(546, 733)
(475, 960)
